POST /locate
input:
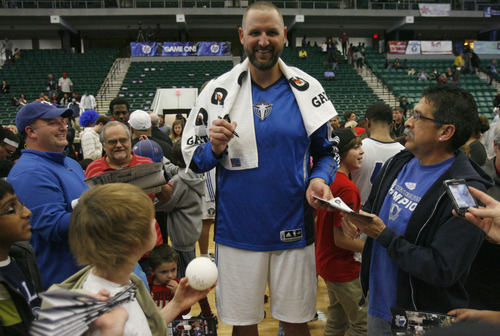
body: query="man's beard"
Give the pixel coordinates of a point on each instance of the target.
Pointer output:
(276, 53)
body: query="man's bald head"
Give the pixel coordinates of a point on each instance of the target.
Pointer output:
(264, 6)
(155, 120)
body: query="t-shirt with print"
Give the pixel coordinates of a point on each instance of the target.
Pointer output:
(406, 191)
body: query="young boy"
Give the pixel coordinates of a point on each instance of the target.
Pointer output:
(111, 228)
(20, 279)
(163, 281)
(335, 261)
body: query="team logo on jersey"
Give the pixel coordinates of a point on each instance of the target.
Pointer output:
(394, 212)
(410, 185)
(298, 83)
(202, 118)
(241, 77)
(219, 96)
(262, 109)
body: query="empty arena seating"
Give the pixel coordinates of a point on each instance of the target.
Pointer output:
(348, 92)
(398, 81)
(143, 78)
(28, 75)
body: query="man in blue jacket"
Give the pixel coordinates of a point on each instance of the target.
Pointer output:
(418, 254)
(46, 180)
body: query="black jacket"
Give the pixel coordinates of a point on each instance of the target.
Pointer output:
(436, 251)
(24, 256)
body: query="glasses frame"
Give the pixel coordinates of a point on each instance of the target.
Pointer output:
(7, 150)
(114, 142)
(417, 115)
(17, 209)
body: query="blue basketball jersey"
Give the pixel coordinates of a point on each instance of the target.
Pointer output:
(264, 209)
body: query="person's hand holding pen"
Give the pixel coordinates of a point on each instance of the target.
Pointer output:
(220, 133)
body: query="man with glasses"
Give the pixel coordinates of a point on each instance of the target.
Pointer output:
(116, 142)
(46, 180)
(418, 254)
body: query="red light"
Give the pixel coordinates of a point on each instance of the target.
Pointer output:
(375, 36)
(178, 92)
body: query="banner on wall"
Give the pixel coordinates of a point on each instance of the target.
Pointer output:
(397, 47)
(143, 49)
(436, 47)
(434, 9)
(180, 49)
(413, 48)
(196, 49)
(490, 11)
(487, 47)
(214, 49)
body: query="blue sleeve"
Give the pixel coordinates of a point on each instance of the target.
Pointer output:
(140, 273)
(50, 216)
(204, 159)
(325, 156)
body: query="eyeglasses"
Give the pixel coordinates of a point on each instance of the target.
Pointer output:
(14, 209)
(416, 116)
(9, 152)
(113, 142)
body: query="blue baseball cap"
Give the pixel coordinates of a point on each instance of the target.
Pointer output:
(41, 109)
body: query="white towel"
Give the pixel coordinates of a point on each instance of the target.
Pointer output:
(230, 97)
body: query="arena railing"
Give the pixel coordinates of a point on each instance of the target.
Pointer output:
(457, 5)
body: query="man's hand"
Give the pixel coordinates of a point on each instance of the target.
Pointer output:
(486, 316)
(220, 133)
(165, 194)
(486, 218)
(350, 230)
(318, 187)
(372, 228)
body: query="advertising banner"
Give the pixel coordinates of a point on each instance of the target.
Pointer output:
(143, 48)
(397, 47)
(179, 49)
(214, 49)
(490, 11)
(413, 47)
(427, 9)
(487, 47)
(436, 47)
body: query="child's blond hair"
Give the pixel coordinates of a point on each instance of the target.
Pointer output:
(108, 222)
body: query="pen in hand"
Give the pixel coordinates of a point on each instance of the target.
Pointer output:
(234, 132)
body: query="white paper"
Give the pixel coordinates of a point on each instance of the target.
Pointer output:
(146, 176)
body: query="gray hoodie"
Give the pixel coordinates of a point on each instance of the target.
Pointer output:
(184, 212)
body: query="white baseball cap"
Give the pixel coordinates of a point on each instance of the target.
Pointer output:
(140, 120)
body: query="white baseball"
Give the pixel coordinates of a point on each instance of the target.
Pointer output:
(201, 273)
